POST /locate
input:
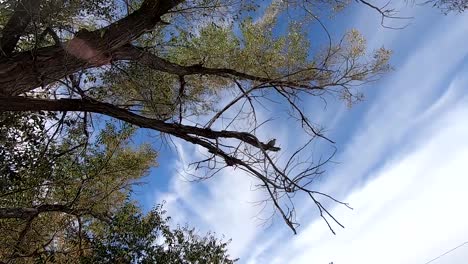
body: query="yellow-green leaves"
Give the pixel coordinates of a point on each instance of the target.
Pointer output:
(356, 44)
(252, 48)
(381, 60)
(213, 46)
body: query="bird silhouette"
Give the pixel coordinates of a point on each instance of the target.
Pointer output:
(271, 143)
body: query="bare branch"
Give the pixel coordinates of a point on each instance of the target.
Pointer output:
(89, 105)
(385, 14)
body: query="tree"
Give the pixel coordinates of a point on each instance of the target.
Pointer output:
(66, 199)
(161, 65)
(448, 6)
(131, 239)
(142, 63)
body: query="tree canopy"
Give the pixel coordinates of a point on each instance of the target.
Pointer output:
(193, 70)
(67, 199)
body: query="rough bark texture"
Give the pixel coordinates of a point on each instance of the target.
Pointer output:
(17, 24)
(25, 71)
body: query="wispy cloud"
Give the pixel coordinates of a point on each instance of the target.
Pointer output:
(411, 211)
(402, 169)
(222, 204)
(416, 85)
(413, 125)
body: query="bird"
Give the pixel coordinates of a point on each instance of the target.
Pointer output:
(271, 143)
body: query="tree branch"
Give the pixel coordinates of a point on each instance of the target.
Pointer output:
(17, 24)
(25, 71)
(255, 160)
(129, 52)
(90, 105)
(29, 213)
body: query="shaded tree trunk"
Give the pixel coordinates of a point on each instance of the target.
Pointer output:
(27, 70)
(17, 24)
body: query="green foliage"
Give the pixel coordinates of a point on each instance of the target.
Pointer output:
(20, 138)
(256, 50)
(93, 182)
(64, 17)
(136, 238)
(52, 160)
(152, 90)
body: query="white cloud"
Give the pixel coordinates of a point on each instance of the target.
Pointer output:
(410, 213)
(412, 208)
(404, 97)
(402, 171)
(222, 204)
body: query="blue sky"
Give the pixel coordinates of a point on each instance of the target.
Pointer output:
(403, 166)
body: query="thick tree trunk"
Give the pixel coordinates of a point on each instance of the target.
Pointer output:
(17, 24)
(25, 71)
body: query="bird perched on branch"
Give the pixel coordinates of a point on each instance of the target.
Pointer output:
(271, 143)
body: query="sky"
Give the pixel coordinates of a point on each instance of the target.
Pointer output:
(403, 163)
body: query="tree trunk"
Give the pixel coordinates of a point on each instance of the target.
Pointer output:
(27, 70)
(28, 213)
(17, 24)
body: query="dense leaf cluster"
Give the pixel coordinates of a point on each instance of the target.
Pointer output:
(67, 199)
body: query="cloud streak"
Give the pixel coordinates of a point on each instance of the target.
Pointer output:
(402, 169)
(395, 166)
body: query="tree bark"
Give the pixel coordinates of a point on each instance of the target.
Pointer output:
(28, 70)
(129, 52)
(28, 213)
(89, 105)
(17, 24)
